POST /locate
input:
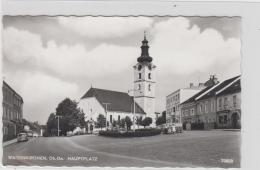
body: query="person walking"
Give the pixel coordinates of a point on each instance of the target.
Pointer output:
(91, 128)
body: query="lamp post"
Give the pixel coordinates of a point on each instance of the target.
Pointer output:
(106, 112)
(57, 116)
(134, 105)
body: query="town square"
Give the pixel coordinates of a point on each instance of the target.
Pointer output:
(165, 92)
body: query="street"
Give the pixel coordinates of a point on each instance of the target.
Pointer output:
(188, 149)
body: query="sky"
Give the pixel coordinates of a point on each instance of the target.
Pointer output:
(46, 59)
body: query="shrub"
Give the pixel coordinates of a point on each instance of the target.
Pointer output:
(137, 133)
(197, 126)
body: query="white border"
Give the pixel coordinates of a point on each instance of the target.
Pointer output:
(249, 12)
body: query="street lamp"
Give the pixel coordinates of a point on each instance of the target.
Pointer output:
(134, 104)
(106, 112)
(58, 116)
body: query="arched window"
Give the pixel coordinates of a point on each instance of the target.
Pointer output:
(139, 86)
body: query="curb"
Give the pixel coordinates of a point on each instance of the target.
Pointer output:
(9, 142)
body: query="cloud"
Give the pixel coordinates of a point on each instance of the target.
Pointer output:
(22, 46)
(41, 92)
(105, 27)
(181, 49)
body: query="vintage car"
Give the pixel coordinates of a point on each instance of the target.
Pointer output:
(22, 137)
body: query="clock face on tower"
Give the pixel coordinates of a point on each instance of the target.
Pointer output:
(139, 67)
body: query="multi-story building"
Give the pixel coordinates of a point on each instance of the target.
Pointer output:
(206, 106)
(12, 112)
(173, 101)
(229, 106)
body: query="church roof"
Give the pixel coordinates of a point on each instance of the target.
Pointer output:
(119, 101)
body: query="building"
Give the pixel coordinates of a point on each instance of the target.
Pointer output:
(189, 108)
(120, 104)
(113, 105)
(203, 106)
(144, 82)
(229, 106)
(173, 101)
(12, 112)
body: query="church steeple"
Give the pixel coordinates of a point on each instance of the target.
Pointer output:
(145, 52)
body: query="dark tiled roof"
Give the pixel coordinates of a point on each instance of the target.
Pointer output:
(119, 101)
(234, 88)
(7, 85)
(220, 86)
(192, 99)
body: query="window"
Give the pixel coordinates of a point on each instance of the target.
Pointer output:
(212, 105)
(111, 118)
(149, 87)
(225, 102)
(139, 86)
(234, 100)
(173, 109)
(220, 119)
(220, 103)
(225, 119)
(149, 76)
(118, 117)
(140, 75)
(206, 107)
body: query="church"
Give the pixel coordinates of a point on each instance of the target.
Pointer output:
(116, 105)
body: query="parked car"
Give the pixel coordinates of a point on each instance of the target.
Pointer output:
(22, 137)
(29, 134)
(35, 135)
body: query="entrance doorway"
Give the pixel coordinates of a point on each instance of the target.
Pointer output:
(234, 121)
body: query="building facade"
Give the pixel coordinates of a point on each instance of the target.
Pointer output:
(173, 101)
(12, 112)
(212, 106)
(113, 105)
(144, 82)
(229, 106)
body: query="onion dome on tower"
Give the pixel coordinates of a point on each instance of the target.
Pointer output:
(145, 53)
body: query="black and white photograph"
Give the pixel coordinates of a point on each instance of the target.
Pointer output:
(121, 91)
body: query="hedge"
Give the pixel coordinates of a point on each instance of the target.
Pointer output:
(137, 133)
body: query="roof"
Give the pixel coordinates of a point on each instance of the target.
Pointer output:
(234, 88)
(192, 99)
(8, 86)
(218, 87)
(212, 90)
(118, 101)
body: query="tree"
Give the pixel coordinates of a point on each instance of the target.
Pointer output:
(51, 125)
(101, 121)
(147, 121)
(128, 123)
(122, 123)
(160, 120)
(71, 116)
(139, 121)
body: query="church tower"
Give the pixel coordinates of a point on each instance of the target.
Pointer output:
(144, 81)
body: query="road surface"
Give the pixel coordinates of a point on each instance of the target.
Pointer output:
(189, 149)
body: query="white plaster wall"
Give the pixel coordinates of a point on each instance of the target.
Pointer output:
(91, 107)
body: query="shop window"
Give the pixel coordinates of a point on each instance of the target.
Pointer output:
(111, 118)
(225, 119)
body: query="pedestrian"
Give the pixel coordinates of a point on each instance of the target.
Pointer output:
(91, 128)
(173, 129)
